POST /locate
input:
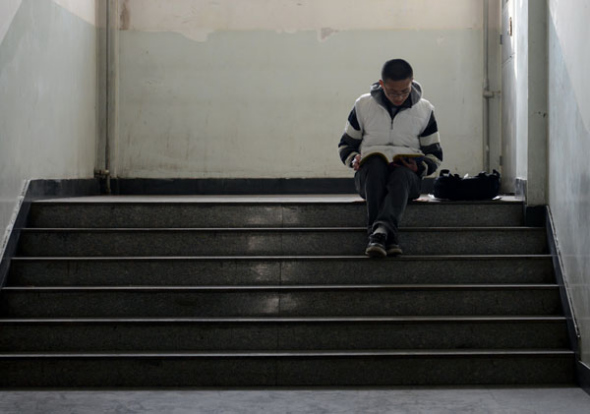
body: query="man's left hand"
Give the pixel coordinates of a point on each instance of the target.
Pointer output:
(409, 163)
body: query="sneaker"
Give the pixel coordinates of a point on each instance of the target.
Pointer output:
(393, 249)
(376, 246)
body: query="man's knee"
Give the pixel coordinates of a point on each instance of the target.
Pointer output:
(375, 166)
(405, 180)
(371, 179)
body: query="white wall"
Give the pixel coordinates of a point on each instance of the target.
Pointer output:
(48, 94)
(569, 148)
(568, 142)
(514, 92)
(262, 88)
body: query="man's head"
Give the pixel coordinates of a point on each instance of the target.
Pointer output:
(396, 80)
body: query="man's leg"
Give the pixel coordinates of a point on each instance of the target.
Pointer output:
(371, 183)
(402, 185)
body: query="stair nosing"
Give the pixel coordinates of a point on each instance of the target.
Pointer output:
(167, 200)
(257, 288)
(506, 353)
(269, 229)
(310, 319)
(406, 257)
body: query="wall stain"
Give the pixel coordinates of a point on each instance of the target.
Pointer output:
(125, 17)
(326, 32)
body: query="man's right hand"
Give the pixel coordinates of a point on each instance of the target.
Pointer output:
(356, 162)
(409, 163)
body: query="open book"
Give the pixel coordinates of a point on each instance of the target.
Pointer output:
(416, 157)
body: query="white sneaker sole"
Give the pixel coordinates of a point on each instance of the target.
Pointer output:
(375, 251)
(394, 251)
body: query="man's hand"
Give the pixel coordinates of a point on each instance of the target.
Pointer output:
(356, 162)
(409, 163)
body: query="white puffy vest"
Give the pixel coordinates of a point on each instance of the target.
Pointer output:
(382, 136)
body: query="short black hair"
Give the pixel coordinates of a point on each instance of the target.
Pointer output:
(396, 70)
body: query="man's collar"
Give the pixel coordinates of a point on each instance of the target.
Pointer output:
(406, 104)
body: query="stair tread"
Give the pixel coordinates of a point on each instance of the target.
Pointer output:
(258, 242)
(243, 307)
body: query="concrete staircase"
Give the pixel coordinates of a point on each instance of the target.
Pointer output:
(274, 291)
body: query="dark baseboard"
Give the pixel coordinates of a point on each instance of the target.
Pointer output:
(12, 243)
(39, 190)
(535, 216)
(583, 376)
(231, 186)
(44, 189)
(238, 186)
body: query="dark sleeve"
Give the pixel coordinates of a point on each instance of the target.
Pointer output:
(430, 146)
(351, 139)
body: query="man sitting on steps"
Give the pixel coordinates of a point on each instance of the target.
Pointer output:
(391, 141)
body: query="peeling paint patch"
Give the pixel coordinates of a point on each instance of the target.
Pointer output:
(124, 17)
(183, 25)
(326, 32)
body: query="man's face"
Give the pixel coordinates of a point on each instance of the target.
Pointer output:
(397, 91)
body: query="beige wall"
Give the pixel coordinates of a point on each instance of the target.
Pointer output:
(262, 88)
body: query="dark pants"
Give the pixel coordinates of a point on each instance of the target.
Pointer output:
(387, 190)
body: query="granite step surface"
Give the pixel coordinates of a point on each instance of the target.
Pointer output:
(205, 213)
(274, 333)
(278, 270)
(311, 368)
(275, 241)
(346, 300)
(275, 291)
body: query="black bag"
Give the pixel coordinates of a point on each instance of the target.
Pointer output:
(483, 186)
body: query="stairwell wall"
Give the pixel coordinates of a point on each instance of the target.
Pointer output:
(262, 89)
(49, 102)
(569, 147)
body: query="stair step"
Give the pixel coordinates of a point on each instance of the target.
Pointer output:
(222, 334)
(277, 241)
(345, 300)
(205, 213)
(262, 291)
(112, 271)
(312, 368)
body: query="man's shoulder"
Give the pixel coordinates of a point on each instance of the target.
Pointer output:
(366, 101)
(423, 104)
(364, 97)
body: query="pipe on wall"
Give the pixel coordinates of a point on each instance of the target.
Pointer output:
(112, 91)
(487, 94)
